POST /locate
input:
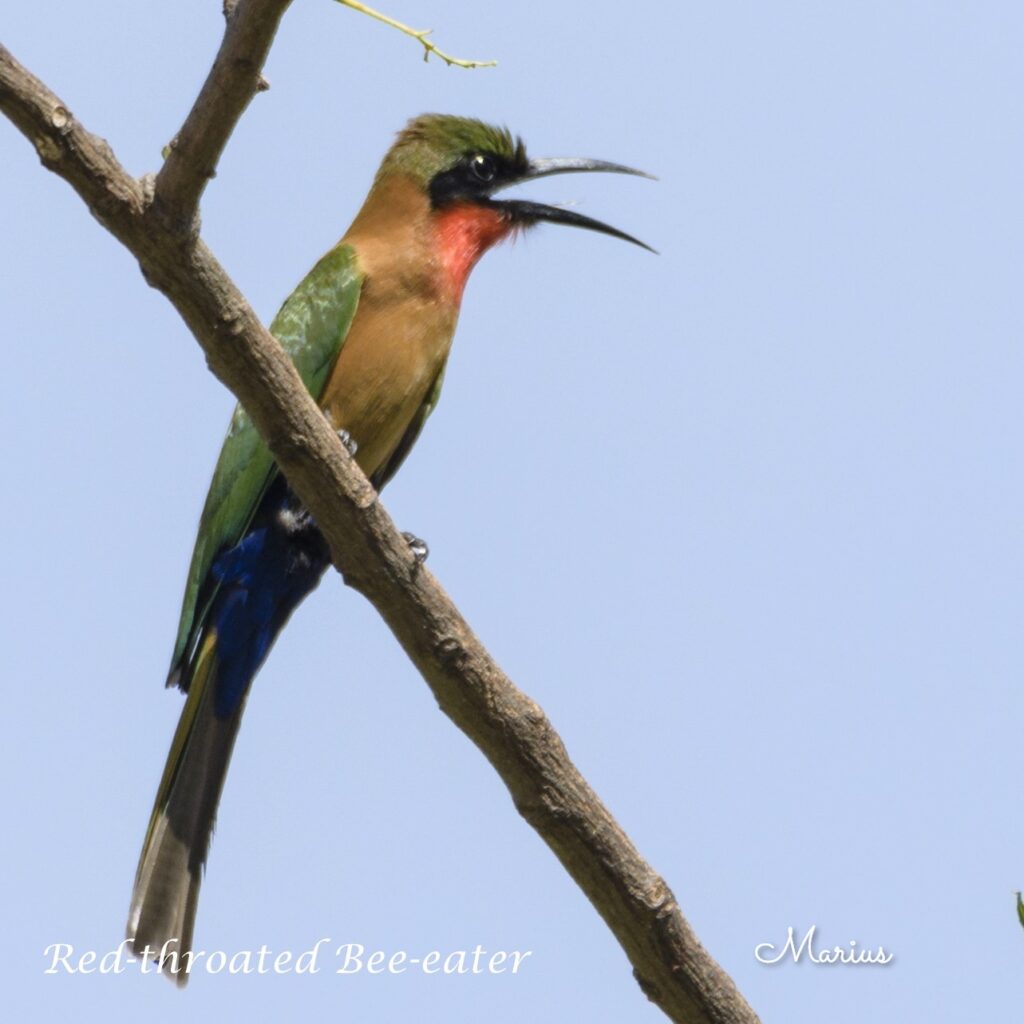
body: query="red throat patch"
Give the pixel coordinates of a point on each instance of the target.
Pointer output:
(463, 233)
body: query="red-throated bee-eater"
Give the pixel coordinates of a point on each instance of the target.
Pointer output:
(369, 330)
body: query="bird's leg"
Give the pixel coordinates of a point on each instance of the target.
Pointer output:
(349, 442)
(418, 548)
(343, 435)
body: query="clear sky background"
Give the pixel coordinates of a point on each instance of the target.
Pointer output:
(745, 517)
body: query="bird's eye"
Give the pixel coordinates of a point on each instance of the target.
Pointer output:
(483, 167)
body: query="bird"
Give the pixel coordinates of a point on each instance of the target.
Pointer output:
(369, 330)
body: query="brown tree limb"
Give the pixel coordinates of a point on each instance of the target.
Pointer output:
(673, 969)
(232, 82)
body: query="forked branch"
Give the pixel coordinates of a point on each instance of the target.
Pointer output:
(668, 961)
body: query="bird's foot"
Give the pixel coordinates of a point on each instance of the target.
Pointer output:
(349, 442)
(418, 548)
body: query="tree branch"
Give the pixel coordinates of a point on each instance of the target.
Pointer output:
(420, 35)
(232, 82)
(510, 729)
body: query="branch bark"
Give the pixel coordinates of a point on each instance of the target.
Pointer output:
(232, 82)
(669, 963)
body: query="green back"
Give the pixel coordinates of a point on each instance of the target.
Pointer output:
(311, 327)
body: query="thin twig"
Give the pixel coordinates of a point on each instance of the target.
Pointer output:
(420, 35)
(671, 966)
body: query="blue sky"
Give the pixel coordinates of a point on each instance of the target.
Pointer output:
(743, 517)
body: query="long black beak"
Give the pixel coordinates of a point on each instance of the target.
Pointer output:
(526, 212)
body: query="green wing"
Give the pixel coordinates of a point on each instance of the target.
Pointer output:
(311, 326)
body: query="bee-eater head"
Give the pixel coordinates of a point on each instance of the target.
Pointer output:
(461, 162)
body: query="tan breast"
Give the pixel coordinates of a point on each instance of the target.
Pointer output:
(403, 327)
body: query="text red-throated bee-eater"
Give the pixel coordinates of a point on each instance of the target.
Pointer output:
(369, 330)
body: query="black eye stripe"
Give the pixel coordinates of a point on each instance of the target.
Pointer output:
(474, 176)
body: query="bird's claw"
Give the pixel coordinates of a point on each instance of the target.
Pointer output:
(349, 442)
(417, 547)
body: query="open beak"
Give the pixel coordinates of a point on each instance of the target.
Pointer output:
(524, 212)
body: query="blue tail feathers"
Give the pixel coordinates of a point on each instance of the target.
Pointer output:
(262, 580)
